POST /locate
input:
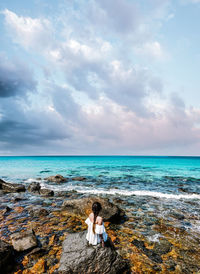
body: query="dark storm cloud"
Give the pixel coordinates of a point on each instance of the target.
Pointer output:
(16, 79)
(21, 124)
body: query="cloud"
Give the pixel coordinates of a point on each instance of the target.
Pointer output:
(152, 50)
(28, 32)
(122, 16)
(125, 108)
(117, 130)
(186, 2)
(15, 78)
(27, 118)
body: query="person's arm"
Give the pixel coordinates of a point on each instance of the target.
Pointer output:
(100, 222)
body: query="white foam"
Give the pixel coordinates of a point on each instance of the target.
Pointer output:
(70, 187)
(142, 193)
(155, 237)
(31, 180)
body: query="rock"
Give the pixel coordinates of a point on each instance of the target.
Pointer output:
(37, 212)
(79, 257)
(150, 253)
(83, 207)
(34, 187)
(182, 189)
(177, 215)
(6, 210)
(6, 256)
(171, 265)
(56, 179)
(10, 187)
(79, 178)
(16, 199)
(162, 247)
(23, 240)
(39, 267)
(36, 251)
(46, 192)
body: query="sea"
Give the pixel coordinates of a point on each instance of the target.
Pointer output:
(158, 184)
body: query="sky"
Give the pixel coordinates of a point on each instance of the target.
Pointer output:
(99, 77)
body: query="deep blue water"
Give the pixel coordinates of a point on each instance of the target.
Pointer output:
(167, 177)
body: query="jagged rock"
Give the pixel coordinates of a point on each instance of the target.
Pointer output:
(162, 247)
(56, 179)
(178, 215)
(83, 207)
(79, 178)
(23, 240)
(6, 256)
(46, 192)
(37, 212)
(34, 187)
(17, 199)
(6, 210)
(150, 253)
(10, 187)
(79, 257)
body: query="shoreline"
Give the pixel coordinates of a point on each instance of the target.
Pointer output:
(149, 241)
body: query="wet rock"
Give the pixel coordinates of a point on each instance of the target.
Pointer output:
(57, 179)
(79, 257)
(36, 251)
(150, 253)
(38, 212)
(171, 265)
(83, 207)
(157, 268)
(23, 240)
(6, 210)
(162, 247)
(79, 178)
(182, 189)
(6, 256)
(46, 192)
(10, 187)
(34, 187)
(17, 199)
(177, 215)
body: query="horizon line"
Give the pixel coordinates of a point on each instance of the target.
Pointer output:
(97, 155)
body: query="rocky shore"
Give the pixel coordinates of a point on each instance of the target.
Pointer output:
(39, 229)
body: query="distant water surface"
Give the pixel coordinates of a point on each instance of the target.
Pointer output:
(163, 186)
(128, 174)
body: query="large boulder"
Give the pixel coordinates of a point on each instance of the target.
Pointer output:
(57, 179)
(83, 207)
(46, 192)
(24, 240)
(79, 257)
(10, 187)
(34, 187)
(6, 256)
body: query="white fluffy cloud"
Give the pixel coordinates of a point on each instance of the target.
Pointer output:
(29, 32)
(152, 50)
(125, 108)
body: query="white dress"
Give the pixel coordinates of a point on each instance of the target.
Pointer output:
(92, 238)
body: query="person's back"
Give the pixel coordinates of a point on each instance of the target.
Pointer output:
(96, 231)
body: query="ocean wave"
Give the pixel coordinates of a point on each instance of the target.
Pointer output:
(120, 192)
(141, 193)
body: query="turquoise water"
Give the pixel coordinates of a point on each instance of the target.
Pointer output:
(117, 175)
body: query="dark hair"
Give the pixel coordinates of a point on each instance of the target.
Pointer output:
(96, 208)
